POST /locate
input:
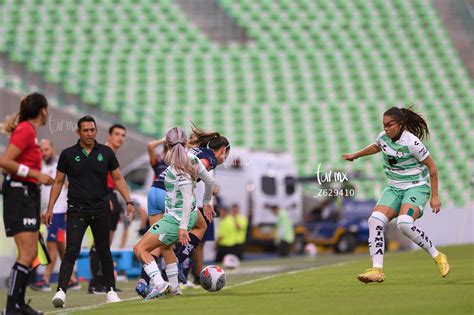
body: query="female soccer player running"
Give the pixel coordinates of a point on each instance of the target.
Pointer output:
(407, 164)
(180, 213)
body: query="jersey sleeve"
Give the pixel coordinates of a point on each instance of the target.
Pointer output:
(418, 149)
(196, 162)
(62, 163)
(377, 140)
(22, 137)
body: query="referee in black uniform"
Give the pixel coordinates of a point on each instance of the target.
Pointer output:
(86, 165)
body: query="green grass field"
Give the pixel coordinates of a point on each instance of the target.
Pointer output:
(324, 285)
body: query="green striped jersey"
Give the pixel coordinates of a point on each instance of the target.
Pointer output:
(173, 182)
(402, 160)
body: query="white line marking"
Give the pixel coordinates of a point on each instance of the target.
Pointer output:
(91, 307)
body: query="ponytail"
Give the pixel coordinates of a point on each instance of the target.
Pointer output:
(177, 155)
(409, 120)
(10, 123)
(210, 140)
(30, 107)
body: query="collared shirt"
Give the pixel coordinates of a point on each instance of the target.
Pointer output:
(87, 175)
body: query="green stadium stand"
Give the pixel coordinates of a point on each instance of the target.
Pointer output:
(315, 79)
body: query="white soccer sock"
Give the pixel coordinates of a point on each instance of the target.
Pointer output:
(377, 222)
(406, 226)
(154, 273)
(172, 273)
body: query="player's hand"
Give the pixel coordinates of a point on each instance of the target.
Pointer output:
(45, 179)
(209, 212)
(349, 157)
(130, 211)
(183, 237)
(435, 204)
(47, 217)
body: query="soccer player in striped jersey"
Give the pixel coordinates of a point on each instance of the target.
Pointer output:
(180, 213)
(412, 180)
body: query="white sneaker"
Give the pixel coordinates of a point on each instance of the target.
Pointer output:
(112, 297)
(59, 299)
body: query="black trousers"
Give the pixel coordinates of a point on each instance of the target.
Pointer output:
(77, 223)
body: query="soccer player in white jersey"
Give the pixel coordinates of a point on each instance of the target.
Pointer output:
(412, 180)
(180, 213)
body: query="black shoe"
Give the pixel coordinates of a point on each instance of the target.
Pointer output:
(16, 311)
(97, 289)
(26, 309)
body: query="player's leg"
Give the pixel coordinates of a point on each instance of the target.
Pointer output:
(142, 249)
(384, 211)
(155, 208)
(412, 208)
(184, 252)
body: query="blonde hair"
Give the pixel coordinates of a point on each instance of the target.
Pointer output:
(177, 156)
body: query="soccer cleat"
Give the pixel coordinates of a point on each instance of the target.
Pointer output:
(41, 285)
(158, 291)
(442, 261)
(175, 291)
(112, 297)
(372, 275)
(59, 299)
(142, 288)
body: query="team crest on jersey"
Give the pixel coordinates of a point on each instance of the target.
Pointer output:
(100, 158)
(400, 153)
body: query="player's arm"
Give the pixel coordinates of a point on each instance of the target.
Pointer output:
(435, 203)
(209, 181)
(53, 196)
(368, 150)
(123, 190)
(7, 162)
(151, 150)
